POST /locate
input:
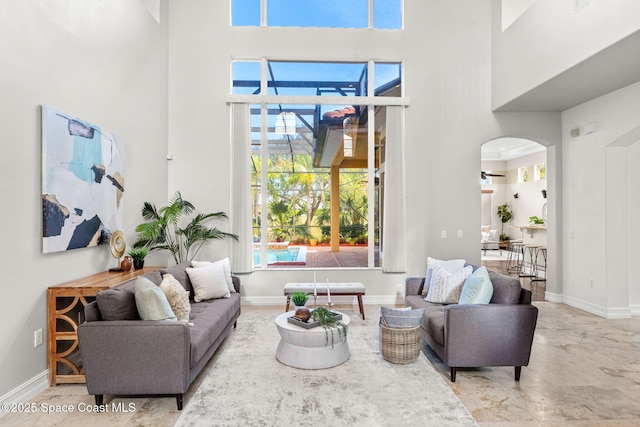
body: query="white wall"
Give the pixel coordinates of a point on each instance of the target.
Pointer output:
(446, 51)
(550, 37)
(601, 204)
(104, 62)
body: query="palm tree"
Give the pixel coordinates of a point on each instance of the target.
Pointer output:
(163, 231)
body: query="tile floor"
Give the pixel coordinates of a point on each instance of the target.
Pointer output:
(584, 371)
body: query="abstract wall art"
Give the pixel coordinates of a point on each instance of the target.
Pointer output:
(82, 182)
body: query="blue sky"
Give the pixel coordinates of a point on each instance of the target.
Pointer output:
(318, 13)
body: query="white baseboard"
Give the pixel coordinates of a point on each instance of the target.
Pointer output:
(26, 391)
(606, 312)
(553, 297)
(635, 310)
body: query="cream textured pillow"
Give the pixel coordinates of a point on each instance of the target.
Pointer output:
(151, 302)
(208, 282)
(446, 287)
(226, 264)
(449, 265)
(177, 296)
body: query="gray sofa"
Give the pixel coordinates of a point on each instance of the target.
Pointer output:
(123, 355)
(496, 334)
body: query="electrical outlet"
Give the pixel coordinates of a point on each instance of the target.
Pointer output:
(443, 234)
(400, 287)
(460, 234)
(37, 338)
(592, 282)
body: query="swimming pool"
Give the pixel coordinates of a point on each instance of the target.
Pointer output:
(291, 255)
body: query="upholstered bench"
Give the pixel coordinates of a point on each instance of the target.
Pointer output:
(338, 289)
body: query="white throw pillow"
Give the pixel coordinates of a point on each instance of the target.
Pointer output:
(226, 264)
(177, 296)
(449, 266)
(446, 287)
(208, 282)
(151, 302)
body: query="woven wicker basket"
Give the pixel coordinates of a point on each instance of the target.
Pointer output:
(399, 345)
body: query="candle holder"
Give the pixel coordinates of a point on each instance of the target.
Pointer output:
(330, 304)
(315, 301)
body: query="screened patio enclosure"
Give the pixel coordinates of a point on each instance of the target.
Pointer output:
(314, 177)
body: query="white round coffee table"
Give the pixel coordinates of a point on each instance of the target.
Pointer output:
(308, 348)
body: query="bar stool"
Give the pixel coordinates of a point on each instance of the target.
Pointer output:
(541, 266)
(515, 256)
(529, 263)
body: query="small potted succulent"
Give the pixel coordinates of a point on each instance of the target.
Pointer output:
(137, 255)
(299, 298)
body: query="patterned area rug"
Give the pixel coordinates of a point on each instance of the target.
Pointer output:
(247, 386)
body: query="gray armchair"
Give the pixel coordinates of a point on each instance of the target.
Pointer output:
(496, 334)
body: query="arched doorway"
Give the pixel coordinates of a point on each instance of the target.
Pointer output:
(514, 209)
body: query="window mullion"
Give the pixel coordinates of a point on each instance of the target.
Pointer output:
(264, 160)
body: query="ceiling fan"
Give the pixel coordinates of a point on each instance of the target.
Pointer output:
(484, 175)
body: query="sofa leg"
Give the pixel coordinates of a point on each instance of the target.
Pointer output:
(453, 375)
(518, 371)
(99, 399)
(235, 324)
(179, 401)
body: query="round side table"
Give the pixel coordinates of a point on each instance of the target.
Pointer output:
(308, 348)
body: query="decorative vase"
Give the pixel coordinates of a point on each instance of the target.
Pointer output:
(138, 264)
(125, 264)
(303, 313)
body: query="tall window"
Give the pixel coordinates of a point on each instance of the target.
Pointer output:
(386, 14)
(318, 169)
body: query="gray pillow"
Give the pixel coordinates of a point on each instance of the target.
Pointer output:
(401, 317)
(118, 303)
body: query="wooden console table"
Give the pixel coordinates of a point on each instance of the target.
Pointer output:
(65, 309)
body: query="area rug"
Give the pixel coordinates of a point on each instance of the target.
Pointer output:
(247, 386)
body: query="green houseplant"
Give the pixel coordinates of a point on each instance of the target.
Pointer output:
(299, 298)
(536, 220)
(163, 229)
(137, 255)
(505, 215)
(328, 321)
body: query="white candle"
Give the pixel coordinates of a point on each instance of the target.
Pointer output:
(328, 293)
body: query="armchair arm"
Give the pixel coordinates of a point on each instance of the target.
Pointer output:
(135, 356)
(413, 285)
(489, 334)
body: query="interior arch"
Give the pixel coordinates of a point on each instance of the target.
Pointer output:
(515, 172)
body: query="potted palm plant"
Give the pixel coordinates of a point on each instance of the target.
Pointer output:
(164, 231)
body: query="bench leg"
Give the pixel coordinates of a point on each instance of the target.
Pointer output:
(361, 306)
(287, 306)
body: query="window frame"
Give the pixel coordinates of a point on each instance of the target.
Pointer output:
(370, 101)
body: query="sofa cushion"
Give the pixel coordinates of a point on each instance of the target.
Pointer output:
(180, 274)
(433, 324)
(208, 282)
(477, 288)
(506, 289)
(151, 301)
(209, 319)
(118, 303)
(445, 287)
(226, 264)
(177, 296)
(449, 265)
